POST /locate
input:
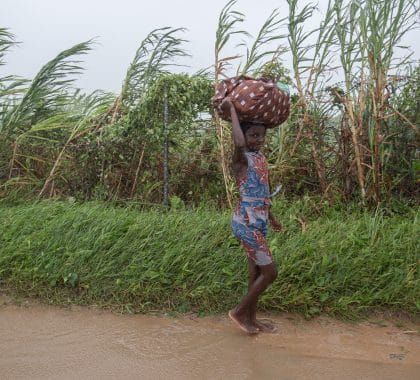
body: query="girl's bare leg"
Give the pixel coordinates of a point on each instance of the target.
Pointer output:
(247, 323)
(254, 272)
(241, 314)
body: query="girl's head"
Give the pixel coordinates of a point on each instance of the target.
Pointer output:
(254, 135)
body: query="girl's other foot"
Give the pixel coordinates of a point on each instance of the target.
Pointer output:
(265, 326)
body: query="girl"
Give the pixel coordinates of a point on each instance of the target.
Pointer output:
(249, 222)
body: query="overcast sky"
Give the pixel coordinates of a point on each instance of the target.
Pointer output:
(46, 27)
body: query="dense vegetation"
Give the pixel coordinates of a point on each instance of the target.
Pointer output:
(353, 139)
(329, 261)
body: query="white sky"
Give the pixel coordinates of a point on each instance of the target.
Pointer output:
(46, 27)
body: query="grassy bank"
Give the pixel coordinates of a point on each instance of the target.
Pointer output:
(343, 262)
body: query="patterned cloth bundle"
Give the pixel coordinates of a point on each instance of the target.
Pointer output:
(256, 100)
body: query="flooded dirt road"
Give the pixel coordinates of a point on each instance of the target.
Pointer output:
(45, 342)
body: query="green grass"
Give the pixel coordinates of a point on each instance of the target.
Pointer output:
(345, 263)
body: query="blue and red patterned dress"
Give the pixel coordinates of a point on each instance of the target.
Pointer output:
(249, 221)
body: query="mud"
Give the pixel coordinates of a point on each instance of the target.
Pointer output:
(45, 342)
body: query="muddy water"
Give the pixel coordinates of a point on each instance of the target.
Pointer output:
(43, 342)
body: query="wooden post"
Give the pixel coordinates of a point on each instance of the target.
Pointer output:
(165, 152)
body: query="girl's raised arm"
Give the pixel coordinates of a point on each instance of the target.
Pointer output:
(238, 135)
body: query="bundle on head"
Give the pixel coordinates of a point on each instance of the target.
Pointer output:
(256, 100)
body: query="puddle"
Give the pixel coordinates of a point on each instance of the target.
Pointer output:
(45, 342)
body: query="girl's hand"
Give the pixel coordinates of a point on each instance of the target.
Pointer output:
(276, 226)
(226, 105)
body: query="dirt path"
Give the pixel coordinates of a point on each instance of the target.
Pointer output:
(45, 342)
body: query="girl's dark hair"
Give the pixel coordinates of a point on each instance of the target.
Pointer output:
(245, 125)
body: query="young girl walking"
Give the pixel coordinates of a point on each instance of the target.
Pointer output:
(251, 216)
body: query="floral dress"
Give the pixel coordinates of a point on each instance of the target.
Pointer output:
(249, 221)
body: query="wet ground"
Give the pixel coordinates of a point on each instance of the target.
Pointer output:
(46, 342)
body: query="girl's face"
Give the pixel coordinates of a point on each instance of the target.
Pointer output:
(255, 137)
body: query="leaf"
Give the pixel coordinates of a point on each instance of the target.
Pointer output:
(47, 91)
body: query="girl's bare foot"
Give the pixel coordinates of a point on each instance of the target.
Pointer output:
(243, 323)
(265, 326)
